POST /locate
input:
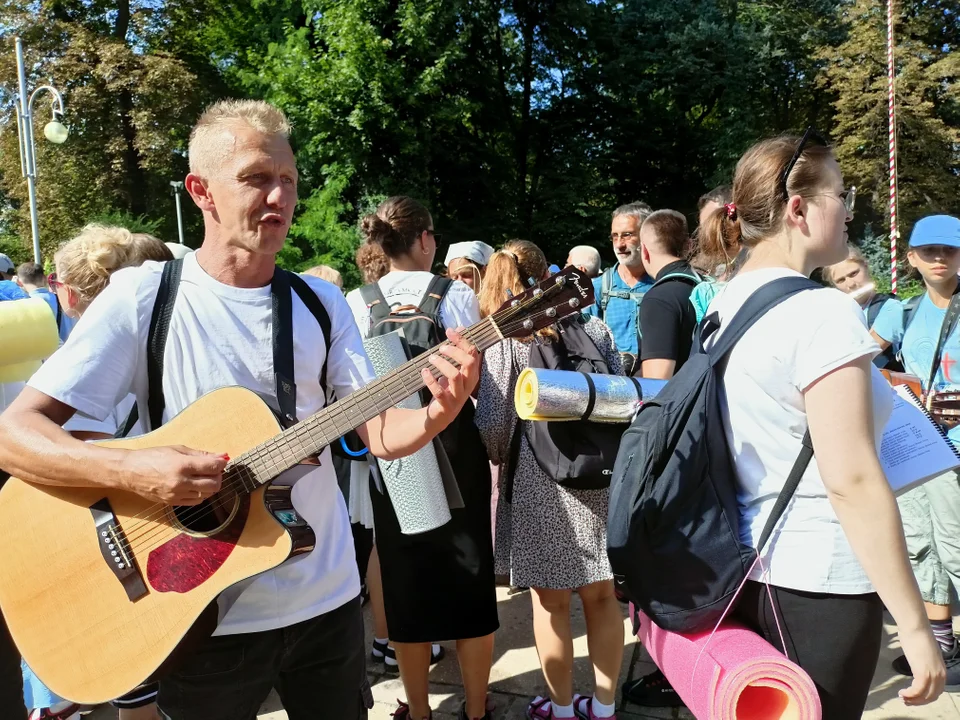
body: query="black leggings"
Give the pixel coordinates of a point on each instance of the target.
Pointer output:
(835, 638)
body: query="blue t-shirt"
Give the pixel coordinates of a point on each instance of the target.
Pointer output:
(9, 290)
(621, 315)
(918, 343)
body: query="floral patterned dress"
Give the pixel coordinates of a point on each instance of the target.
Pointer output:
(548, 536)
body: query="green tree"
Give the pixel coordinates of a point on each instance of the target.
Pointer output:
(927, 101)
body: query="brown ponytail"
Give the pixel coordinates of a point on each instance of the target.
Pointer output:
(396, 225)
(758, 201)
(510, 269)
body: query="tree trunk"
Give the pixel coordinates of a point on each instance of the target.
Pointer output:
(528, 24)
(134, 178)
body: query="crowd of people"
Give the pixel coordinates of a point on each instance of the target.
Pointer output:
(845, 549)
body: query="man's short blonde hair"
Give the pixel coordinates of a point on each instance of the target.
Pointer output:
(207, 148)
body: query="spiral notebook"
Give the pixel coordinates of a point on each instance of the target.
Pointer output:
(914, 448)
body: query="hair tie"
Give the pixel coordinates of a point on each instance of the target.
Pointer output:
(731, 209)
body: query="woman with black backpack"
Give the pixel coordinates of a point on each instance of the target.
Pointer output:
(550, 538)
(837, 556)
(437, 585)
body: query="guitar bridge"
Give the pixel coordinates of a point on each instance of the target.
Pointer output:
(116, 550)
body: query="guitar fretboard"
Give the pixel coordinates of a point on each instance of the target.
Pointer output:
(263, 463)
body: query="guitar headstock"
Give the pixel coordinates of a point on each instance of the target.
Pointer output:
(559, 296)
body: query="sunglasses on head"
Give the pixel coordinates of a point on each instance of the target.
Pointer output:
(809, 136)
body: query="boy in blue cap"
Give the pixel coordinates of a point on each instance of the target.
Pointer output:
(925, 329)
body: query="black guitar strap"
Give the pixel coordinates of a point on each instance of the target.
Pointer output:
(283, 364)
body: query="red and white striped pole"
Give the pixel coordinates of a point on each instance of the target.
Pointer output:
(892, 111)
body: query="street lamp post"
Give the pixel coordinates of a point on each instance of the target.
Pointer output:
(54, 131)
(177, 186)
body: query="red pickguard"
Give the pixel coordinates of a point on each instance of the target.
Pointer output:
(186, 562)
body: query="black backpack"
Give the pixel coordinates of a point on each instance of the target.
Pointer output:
(421, 324)
(673, 526)
(422, 330)
(576, 454)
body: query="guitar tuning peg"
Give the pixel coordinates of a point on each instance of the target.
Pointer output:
(509, 293)
(531, 282)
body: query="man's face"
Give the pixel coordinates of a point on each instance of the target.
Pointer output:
(625, 236)
(255, 191)
(708, 210)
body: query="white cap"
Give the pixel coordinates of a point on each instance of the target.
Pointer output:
(476, 251)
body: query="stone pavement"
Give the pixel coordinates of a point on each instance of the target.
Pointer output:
(516, 677)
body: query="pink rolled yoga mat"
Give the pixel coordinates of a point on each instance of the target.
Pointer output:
(740, 676)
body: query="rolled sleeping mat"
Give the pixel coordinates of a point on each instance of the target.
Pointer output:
(29, 331)
(18, 372)
(735, 675)
(558, 395)
(414, 483)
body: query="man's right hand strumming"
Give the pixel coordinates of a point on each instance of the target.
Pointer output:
(173, 475)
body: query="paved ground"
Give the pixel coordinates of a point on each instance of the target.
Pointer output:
(516, 678)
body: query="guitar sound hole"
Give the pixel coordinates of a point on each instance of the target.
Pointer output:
(210, 516)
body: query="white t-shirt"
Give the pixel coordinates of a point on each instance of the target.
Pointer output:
(81, 422)
(791, 347)
(400, 287)
(220, 336)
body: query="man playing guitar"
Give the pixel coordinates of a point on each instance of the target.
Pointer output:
(297, 628)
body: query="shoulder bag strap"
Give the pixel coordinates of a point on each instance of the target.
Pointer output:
(949, 323)
(282, 305)
(157, 339)
(309, 298)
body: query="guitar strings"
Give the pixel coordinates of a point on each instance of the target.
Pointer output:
(220, 501)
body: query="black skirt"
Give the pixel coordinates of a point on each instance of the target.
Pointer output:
(440, 585)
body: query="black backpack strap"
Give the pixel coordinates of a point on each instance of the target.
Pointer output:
(949, 323)
(376, 303)
(157, 339)
(433, 297)
(309, 298)
(128, 424)
(59, 313)
(874, 308)
(283, 345)
(789, 488)
(764, 299)
(756, 306)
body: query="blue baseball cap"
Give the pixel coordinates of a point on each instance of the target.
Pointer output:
(936, 230)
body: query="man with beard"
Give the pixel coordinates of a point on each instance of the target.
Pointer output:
(621, 288)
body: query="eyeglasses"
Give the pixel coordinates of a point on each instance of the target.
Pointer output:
(436, 236)
(849, 197)
(624, 236)
(809, 136)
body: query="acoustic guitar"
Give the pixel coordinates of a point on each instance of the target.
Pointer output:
(100, 587)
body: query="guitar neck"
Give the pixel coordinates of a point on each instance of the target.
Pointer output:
(263, 463)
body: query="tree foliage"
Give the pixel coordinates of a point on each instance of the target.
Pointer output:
(508, 118)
